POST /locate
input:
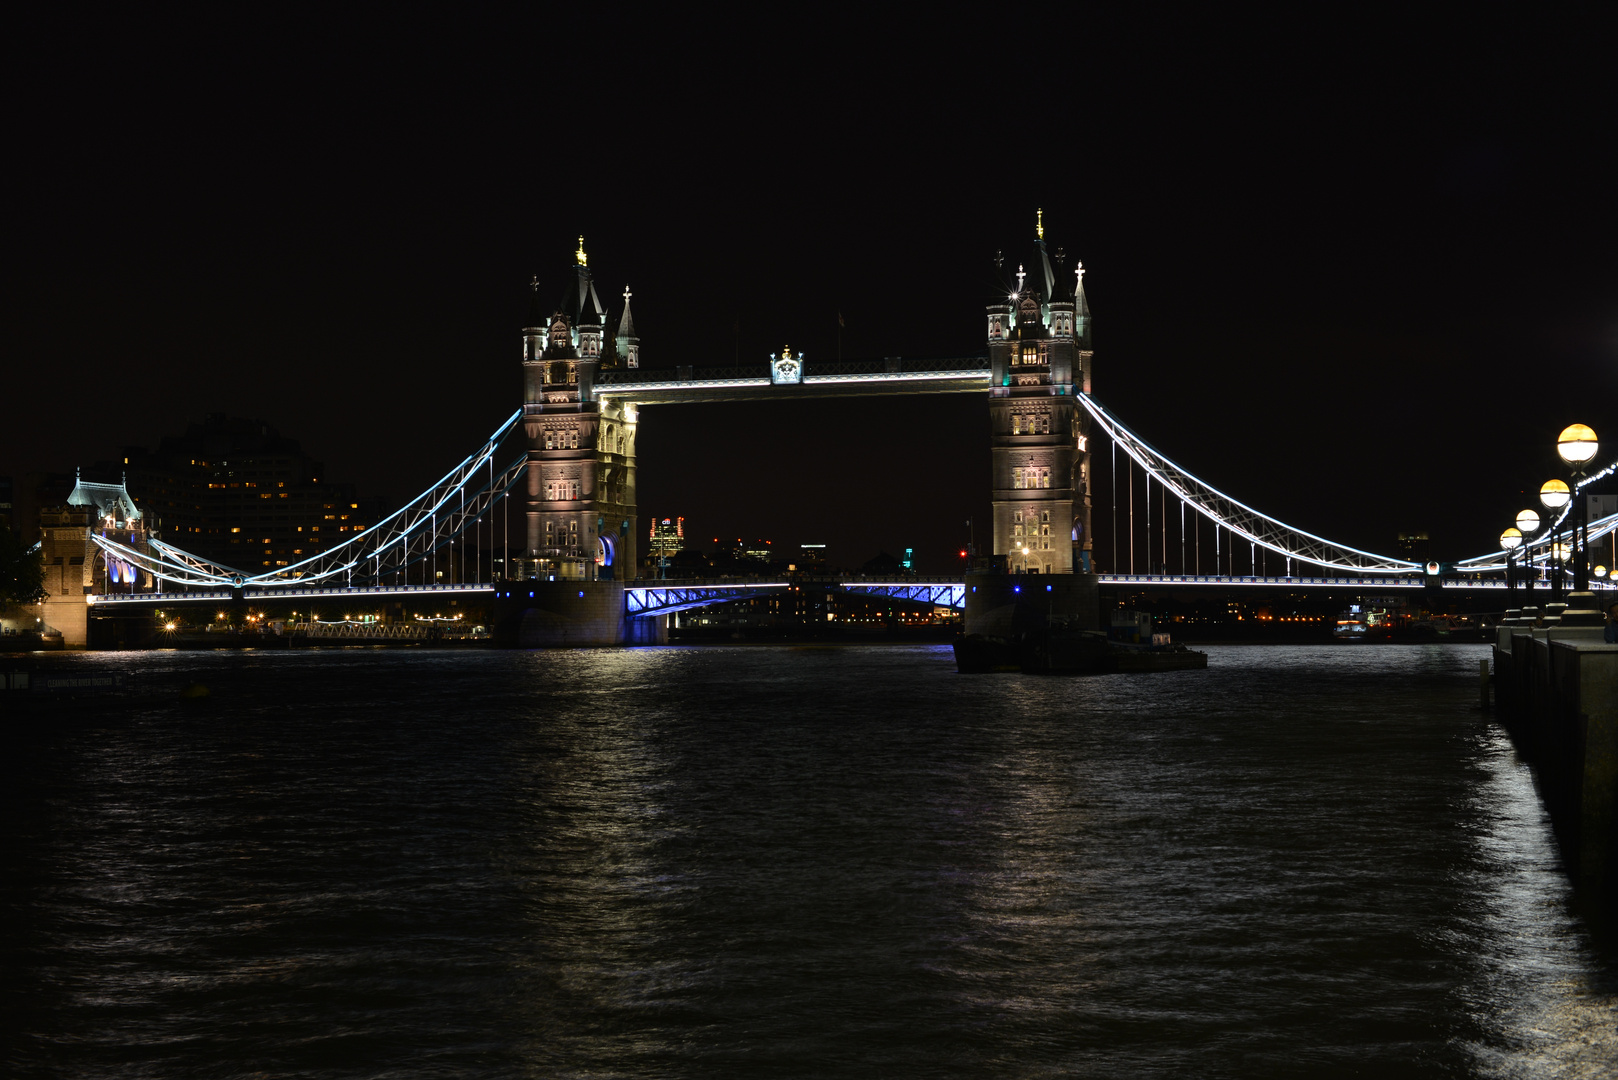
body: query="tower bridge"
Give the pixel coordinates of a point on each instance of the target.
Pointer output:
(564, 465)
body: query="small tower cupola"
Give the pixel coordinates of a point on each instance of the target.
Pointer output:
(628, 343)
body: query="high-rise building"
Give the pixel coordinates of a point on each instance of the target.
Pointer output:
(580, 505)
(239, 493)
(1040, 358)
(667, 538)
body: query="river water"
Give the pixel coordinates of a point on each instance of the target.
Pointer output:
(783, 862)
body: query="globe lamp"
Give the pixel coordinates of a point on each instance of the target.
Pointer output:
(1528, 522)
(1511, 540)
(1576, 445)
(1554, 495)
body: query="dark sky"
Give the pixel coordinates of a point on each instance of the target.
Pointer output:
(1358, 275)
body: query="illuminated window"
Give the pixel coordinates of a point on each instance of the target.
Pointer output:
(573, 441)
(550, 439)
(1016, 530)
(1030, 354)
(237, 529)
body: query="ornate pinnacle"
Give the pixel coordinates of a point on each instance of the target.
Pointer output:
(584, 260)
(1040, 226)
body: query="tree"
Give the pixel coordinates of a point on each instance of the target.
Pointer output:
(22, 569)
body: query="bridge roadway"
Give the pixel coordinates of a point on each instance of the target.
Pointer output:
(665, 597)
(755, 382)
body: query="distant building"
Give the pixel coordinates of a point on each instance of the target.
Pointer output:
(668, 537)
(7, 509)
(239, 493)
(811, 557)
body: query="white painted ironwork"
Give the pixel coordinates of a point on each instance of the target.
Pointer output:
(1242, 520)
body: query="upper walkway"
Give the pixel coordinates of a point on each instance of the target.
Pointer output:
(755, 382)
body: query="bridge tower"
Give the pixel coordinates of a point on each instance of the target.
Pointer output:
(1040, 358)
(580, 504)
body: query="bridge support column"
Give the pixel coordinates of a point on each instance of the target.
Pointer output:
(646, 630)
(559, 614)
(1009, 605)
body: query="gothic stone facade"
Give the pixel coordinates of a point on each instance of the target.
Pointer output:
(580, 497)
(1040, 359)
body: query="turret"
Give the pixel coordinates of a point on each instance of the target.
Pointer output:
(628, 343)
(533, 349)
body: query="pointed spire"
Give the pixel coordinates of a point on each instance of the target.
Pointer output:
(1081, 308)
(536, 310)
(626, 325)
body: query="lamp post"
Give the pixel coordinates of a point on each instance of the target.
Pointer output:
(1554, 495)
(1527, 525)
(1510, 541)
(1577, 446)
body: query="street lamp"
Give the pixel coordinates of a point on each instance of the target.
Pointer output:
(1510, 541)
(1577, 446)
(1554, 495)
(1528, 523)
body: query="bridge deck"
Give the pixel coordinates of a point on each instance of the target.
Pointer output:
(854, 378)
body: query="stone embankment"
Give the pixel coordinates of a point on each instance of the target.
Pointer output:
(1556, 691)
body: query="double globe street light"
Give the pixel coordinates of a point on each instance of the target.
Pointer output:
(1512, 539)
(1577, 447)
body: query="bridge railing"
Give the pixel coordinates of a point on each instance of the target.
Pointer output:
(813, 369)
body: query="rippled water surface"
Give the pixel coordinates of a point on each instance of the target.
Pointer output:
(779, 862)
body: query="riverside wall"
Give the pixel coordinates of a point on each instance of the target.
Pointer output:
(1556, 692)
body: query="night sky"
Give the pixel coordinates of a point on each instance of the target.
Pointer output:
(1357, 275)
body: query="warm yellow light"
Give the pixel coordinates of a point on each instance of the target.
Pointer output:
(1577, 444)
(584, 260)
(1554, 495)
(1601, 571)
(1528, 521)
(1511, 539)
(1040, 227)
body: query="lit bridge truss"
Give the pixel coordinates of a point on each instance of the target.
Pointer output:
(1237, 517)
(667, 599)
(465, 497)
(433, 521)
(1559, 531)
(943, 594)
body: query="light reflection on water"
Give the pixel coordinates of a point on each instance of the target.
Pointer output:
(783, 862)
